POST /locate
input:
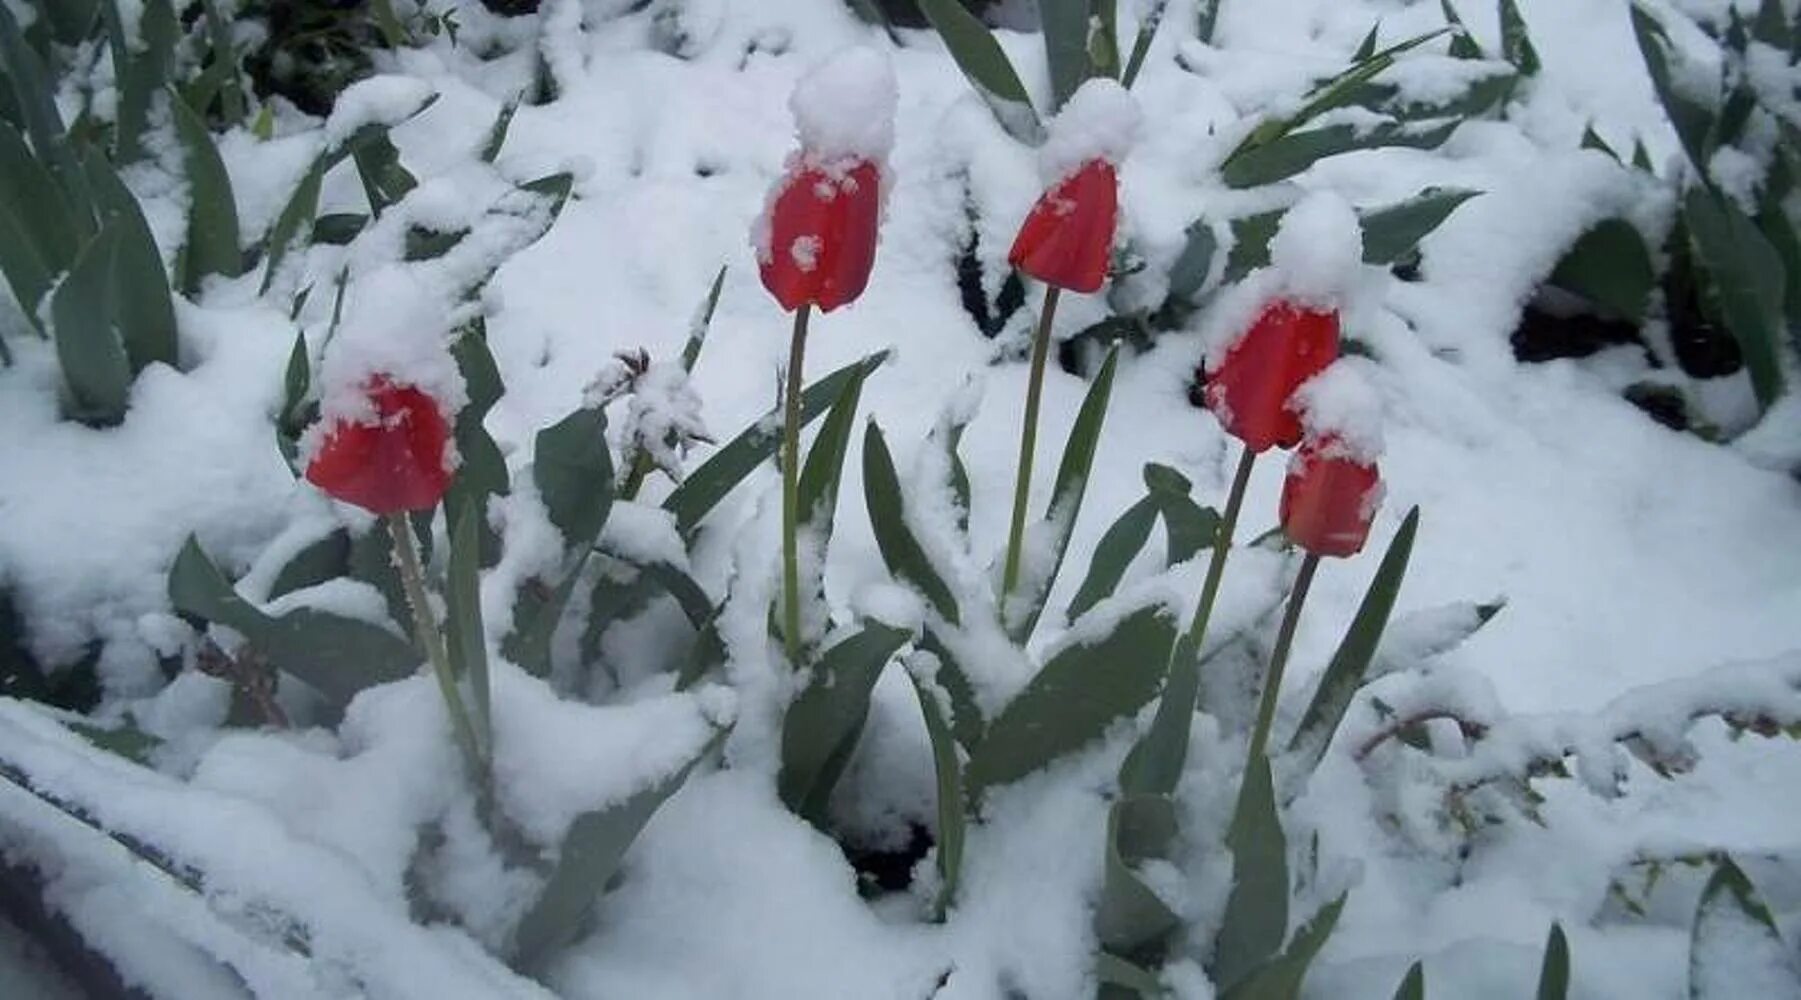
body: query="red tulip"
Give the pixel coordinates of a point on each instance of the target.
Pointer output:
(394, 460)
(822, 235)
(1329, 498)
(1251, 390)
(1068, 237)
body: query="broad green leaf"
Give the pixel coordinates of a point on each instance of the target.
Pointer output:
(822, 726)
(703, 488)
(1281, 978)
(1413, 987)
(1776, 228)
(1516, 42)
(212, 244)
(338, 228)
(295, 219)
(27, 274)
(1692, 121)
(326, 559)
(1350, 662)
(1610, 266)
(1112, 554)
(1291, 154)
(142, 305)
(1256, 918)
(1064, 24)
(900, 550)
(338, 656)
(697, 333)
(93, 359)
(33, 91)
(385, 180)
(1735, 941)
(1130, 918)
(573, 467)
(1554, 973)
(1188, 274)
(592, 850)
(981, 59)
(1071, 484)
(952, 818)
(1393, 232)
(467, 640)
(1074, 698)
(1150, 20)
(1480, 97)
(824, 465)
(1748, 276)
(497, 135)
(32, 197)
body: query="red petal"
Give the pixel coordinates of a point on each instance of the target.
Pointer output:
(1067, 238)
(1328, 500)
(822, 236)
(395, 463)
(1250, 390)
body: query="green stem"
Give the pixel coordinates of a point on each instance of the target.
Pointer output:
(1028, 443)
(791, 488)
(1216, 568)
(1272, 684)
(634, 479)
(425, 627)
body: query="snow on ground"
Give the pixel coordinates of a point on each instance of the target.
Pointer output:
(1628, 554)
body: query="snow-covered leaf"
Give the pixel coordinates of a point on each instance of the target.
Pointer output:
(1064, 25)
(1735, 949)
(1691, 119)
(900, 550)
(212, 243)
(1129, 917)
(1293, 153)
(1256, 917)
(947, 767)
(141, 303)
(1554, 973)
(986, 65)
(1609, 266)
(1391, 233)
(822, 726)
(824, 465)
(1748, 276)
(94, 364)
(1282, 977)
(1516, 42)
(573, 467)
(1413, 986)
(467, 640)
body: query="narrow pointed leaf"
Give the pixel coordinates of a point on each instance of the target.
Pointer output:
(468, 641)
(948, 767)
(1130, 918)
(1463, 44)
(697, 334)
(981, 59)
(142, 303)
(1149, 21)
(94, 363)
(1734, 942)
(1692, 121)
(823, 724)
(212, 246)
(1516, 42)
(1256, 918)
(824, 466)
(1294, 153)
(1350, 662)
(1393, 232)
(1413, 987)
(1747, 274)
(295, 221)
(1554, 973)
(1117, 548)
(1064, 24)
(497, 135)
(900, 550)
(1080, 692)
(1609, 266)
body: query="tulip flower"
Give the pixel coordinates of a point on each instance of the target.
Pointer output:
(1251, 389)
(1329, 498)
(396, 458)
(1067, 239)
(1067, 242)
(816, 242)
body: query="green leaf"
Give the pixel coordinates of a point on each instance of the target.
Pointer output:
(556, 187)
(1189, 526)
(900, 550)
(868, 12)
(1112, 554)
(297, 382)
(1350, 662)
(1281, 979)
(535, 618)
(1592, 140)
(822, 726)
(1256, 918)
(1151, 19)
(1130, 918)
(1748, 276)
(1113, 971)
(31, 195)
(336, 655)
(212, 245)
(326, 559)
(1291, 154)
(1771, 26)
(1692, 121)
(573, 467)
(824, 466)
(468, 641)
(1554, 973)
(697, 333)
(1734, 940)
(1064, 24)
(1463, 44)
(1610, 266)
(1206, 19)
(497, 135)
(1393, 232)
(93, 359)
(142, 305)
(1189, 272)
(1516, 42)
(952, 818)
(224, 64)
(296, 216)
(32, 89)
(1367, 47)
(1103, 39)
(1070, 703)
(338, 228)
(981, 59)
(1251, 235)
(592, 850)
(703, 488)
(139, 73)
(385, 180)
(1413, 987)
(1071, 484)
(27, 274)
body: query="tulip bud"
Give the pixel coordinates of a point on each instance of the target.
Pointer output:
(394, 458)
(1329, 498)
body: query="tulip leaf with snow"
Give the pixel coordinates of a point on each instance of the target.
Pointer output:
(573, 469)
(94, 364)
(1413, 985)
(142, 305)
(900, 550)
(213, 245)
(947, 768)
(985, 63)
(1281, 977)
(821, 727)
(1735, 948)
(1554, 972)
(1130, 918)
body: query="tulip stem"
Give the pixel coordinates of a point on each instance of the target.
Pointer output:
(791, 488)
(1278, 661)
(1216, 568)
(431, 637)
(1028, 443)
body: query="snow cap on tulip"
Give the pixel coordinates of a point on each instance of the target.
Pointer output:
(1333, 487)
(1100, 121)
(1067, 238)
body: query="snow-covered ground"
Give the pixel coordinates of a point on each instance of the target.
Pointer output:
(1628, 554)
